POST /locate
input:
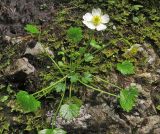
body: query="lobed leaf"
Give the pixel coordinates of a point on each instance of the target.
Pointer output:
(128, 98)
(27, 102)
(125, 67)
(88, 57)
(60, 87)
(69, 111)
(71, 108)
(87, 77)
(32, 29)
(74, 78)
(74, 34)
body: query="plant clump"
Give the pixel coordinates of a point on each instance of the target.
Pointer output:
(71, 71)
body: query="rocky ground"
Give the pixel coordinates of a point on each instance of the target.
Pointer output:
(20, 68)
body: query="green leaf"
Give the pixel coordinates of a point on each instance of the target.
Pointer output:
(128, 98)
(60, 63)
(9, 89)
(88, 57)
(135, 19)
(74, 55)
(74, 78)
(4, 98)
(82, 50)
(94, 44)
(111, 1)
(27, 102)
(60, 87)
(74, 34)
(69, 111)
(74, 100)
(87, 77)
(46, 131)
(32, 29)
(125, 67)
(158, 107)
(136, 7)
(52, 131)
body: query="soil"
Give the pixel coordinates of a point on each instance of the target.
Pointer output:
(100, 114)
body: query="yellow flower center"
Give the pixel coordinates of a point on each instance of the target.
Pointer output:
(96, 20)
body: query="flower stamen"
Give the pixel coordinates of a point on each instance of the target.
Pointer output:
(96, 20)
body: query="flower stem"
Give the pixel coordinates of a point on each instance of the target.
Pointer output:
(56, 113)
(97, 89)
(55, 63)
(47, 89)
(108, 82)
(70, 91)
(100, 50)
(86, 47)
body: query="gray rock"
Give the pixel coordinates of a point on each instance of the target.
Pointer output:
(152, 123)
(38, 49)
(21, 64)
(16, 40)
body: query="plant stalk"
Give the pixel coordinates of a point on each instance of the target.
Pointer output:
(70, 91)
(47, 88)
(55, 63)
(97, 89)
(108, 82)
(56, 113)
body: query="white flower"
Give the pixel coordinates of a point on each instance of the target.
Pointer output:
(96, 20)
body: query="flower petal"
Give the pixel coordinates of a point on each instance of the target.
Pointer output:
(96, 12)
(101, 27)
(87, 17)
(105, 18)
(89, 24)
